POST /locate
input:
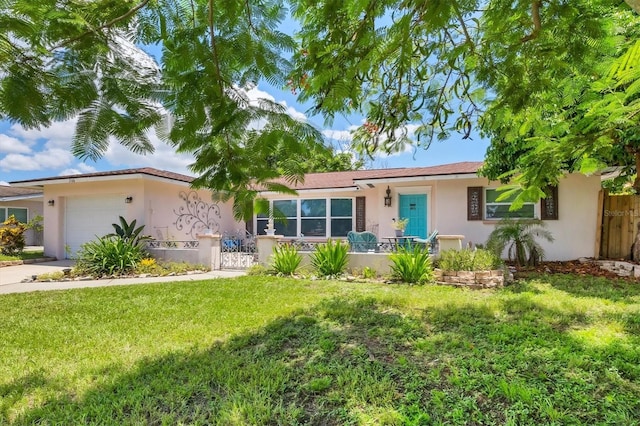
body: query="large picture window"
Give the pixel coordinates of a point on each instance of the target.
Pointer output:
(495, 210)
(21, 214)
(317, 217)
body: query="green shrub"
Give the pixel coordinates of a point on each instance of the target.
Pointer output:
(258, 270)
(330, 259)
(412, 265)
(519, 239)
(109, 255)
(128, 231)
(285, 259)
(468, 260)
(12, 236)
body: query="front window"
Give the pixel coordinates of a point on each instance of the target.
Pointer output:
(318, 217)
(21, 214)
(495, 210)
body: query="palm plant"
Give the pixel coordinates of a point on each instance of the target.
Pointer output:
(519, 238)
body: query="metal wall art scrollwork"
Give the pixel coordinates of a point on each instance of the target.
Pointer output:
(196, 215)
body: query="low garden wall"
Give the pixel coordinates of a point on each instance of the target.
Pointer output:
(176, 255)
(473, 279)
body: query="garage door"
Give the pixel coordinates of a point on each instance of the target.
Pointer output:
(86, 217)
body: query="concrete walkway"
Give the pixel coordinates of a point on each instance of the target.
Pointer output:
(11, 277)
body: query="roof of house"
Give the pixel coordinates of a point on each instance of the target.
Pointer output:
(149, 171)
(312, 180)
(351, 178)
(12, 193)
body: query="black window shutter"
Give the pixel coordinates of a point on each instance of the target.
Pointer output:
(361, 219)
(549, 205)
(474, 203)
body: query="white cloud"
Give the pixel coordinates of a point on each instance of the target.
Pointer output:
(80, 168)
(164, 157)
(12, 145)
(339, 135)
(49, 159)
(58, 135)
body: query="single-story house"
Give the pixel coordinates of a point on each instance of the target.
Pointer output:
(78, 208)
(450, 198)
(23, 203)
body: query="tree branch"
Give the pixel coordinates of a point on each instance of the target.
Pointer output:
(537, 22)
(214, 50)
(109, 24)
(634, 4)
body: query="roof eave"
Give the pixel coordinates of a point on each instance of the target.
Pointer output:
(82, 179)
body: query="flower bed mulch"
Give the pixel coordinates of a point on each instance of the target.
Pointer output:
(570, 267)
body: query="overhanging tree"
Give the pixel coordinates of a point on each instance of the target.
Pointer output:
(528, 74)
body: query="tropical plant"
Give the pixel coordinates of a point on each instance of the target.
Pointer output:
(468, 260)
(400, 224)
(412, 265)
(519, 238)
(128, 231)
(109, 255)
(286, 259)
(12, 236)
(330, 259)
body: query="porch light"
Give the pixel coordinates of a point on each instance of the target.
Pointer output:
(128, 200)
(387, 199)
(51, 203)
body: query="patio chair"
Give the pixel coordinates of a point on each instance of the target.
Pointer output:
(429, 242)
(362, 241)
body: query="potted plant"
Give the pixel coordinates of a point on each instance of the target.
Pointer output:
(400, 225)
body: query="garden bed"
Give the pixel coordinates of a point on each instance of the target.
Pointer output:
(472, 279)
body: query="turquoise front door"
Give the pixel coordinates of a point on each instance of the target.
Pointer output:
(414, 207)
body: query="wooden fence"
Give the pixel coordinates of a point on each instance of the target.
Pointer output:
(620, 220)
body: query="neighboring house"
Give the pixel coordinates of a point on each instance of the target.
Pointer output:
(80, 207)
(23, 203)
(450, 198)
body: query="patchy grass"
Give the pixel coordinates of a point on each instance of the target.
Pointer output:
(267, 350)
(23, 256)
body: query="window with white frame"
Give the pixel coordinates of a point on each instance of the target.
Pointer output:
(316, 217)
(20, 213)
(496, 210)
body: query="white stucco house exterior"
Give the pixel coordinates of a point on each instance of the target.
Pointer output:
(450, 198)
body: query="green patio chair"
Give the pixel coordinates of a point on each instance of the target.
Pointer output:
(362, 242)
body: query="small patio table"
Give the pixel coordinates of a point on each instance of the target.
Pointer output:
(404, 241)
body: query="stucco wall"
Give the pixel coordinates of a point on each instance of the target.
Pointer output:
(154, 203)
(574, 231)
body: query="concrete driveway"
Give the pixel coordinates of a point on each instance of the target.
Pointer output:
(11, 278)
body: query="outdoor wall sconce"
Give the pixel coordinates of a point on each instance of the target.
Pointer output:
(128, 200)
(387, 199)
(51, 203)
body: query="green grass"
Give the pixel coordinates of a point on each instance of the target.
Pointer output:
(22, 256)
(270, 350)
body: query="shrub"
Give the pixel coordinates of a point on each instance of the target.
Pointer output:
(330, 259)
(109, 255)
(518, 237)
(285, 259)
(412, 265)
(258, 270)
(468, 260)
(128, 231)
(12, 236)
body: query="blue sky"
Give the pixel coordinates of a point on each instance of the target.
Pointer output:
(45, 152)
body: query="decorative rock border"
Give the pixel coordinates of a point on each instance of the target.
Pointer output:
(618, 267)
(472, 279)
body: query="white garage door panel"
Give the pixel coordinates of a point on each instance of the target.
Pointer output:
(88, 217)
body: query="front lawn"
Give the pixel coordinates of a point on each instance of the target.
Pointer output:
(23, 256)
(265, 350)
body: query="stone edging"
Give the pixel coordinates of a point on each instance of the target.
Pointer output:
(618, 267)
(472, 279)
(4, 263)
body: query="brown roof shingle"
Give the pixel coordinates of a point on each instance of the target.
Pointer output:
(11, 191)
(150, 171)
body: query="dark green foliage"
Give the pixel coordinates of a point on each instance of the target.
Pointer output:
(468, 260)
(519, 239)
(109, 255)
(285, 259)
(330, 259)
(12, 236)
(128, 232)
(412, 265)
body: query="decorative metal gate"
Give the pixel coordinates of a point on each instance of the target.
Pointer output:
(238, 250)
